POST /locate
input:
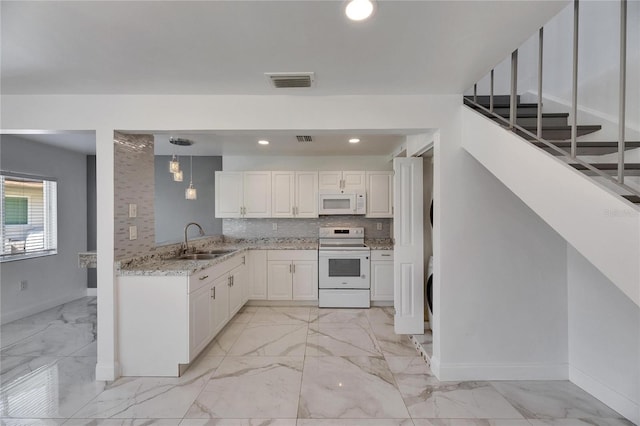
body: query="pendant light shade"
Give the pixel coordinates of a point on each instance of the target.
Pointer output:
(174, 165)
(178, 176)
(190, 193)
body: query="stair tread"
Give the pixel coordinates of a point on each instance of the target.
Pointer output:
(632, 198)
(590, 144)
(607, 166)
(580, 126)
(534, 114)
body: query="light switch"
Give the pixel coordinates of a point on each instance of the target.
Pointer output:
(133, 232)
(274, 226)
(379, 226)
(133, 210)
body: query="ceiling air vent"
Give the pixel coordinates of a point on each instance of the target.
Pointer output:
(288, 80)
(304, 138)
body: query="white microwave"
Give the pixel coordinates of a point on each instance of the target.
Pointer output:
(350, 203)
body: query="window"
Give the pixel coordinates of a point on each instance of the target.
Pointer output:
(28, 216)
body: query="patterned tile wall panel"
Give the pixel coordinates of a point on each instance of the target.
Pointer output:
(134, 183)
(301, 228)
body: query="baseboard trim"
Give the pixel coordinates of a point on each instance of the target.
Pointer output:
(469, 372)
(107, 371)
(621, 403)
(39, 307)
(92, 292)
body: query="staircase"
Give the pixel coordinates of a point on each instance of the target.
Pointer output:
(557, 131)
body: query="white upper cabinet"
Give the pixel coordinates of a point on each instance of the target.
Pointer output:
(380, 194)
(229, 189)
(341, 182)
(243, 194)
(294, 194)
(257, 194)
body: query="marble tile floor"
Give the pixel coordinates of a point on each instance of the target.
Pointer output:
(297, 366)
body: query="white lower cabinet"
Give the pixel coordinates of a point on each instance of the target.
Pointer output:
(292, 275)
(382, 275)
(258, 272)
(165, 321)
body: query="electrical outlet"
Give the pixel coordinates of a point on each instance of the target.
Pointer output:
(133, 232)
(133, 210)
(274, 226)
(379, 226)
(23, 285)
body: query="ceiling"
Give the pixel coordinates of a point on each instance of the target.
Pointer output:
(225, 47)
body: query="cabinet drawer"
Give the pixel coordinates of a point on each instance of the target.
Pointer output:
(377, 255)
(202, 278)
(292, 255)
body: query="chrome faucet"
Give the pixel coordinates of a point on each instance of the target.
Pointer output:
(186, 240)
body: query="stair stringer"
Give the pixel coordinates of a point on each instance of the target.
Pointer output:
(599, 224)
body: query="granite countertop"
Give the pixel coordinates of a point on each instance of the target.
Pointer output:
(163, 261)
(87, 259)
(380, 244)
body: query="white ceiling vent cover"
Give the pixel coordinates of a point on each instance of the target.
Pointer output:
(304, 138)
(288, 80)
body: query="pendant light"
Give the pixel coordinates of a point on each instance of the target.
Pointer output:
(178, 176)
(174, 165)
(190, 193)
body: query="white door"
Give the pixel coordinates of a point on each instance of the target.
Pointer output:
(354, 181)
(408, 249)
(220, 303)
(279, 280)
(282, 194)
(257, 194)
(382, 281)
(228, 195)
(330, 181)
(236, 289)
(258, 282)
(306, 199)
(200, 327)
(305, 280)
(379, 194)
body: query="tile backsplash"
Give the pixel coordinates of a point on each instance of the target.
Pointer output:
(302, 228)
(133, 183)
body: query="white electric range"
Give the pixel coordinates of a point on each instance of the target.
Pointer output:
(343, 269)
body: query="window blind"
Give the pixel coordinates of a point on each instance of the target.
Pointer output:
(28, 216)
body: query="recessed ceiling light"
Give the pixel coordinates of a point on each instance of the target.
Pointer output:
(354, 140)
(359, 10)
(263, 142)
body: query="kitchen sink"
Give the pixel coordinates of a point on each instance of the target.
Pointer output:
(198, 256)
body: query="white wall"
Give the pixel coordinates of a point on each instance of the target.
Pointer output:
(499, 277)
(599, 224)
(604, 337)
(346, 162)
(52, 280)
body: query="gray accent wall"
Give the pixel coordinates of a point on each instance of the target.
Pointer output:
(56, 279)
(172, 210)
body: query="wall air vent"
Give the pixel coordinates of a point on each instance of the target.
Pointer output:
(288, 80)
(304, 138)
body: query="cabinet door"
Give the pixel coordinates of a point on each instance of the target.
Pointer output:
(236, 289)
(200, 326)
(220, 305)
(379, 194)
(354, 181)
(306, 191)
(330, 181)
(228, 194)
(305, 280)
(382, 281)
(282, 194)
(279, 280)
(258, 282)
(257, 194)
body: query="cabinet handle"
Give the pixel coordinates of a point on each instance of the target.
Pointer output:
(203, 277)
(294, 268)
(289, 268)
(231, 280)
(385, 255)
(244, 260)
(213, 293)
